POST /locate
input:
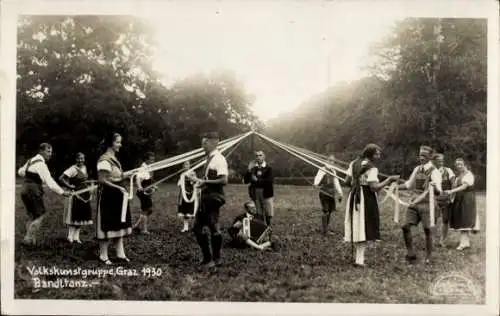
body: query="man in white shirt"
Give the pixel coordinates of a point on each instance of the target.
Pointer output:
(444, 200)
(36, 173)
(422, 177)
(328, 186)
(215, 177)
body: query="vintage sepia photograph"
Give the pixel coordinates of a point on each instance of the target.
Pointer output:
(249, 152)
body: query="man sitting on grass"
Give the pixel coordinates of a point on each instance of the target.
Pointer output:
(249, 229)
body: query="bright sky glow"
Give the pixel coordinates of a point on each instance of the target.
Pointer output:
(279, 51)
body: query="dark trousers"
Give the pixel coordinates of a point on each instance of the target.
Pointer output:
(207, 224)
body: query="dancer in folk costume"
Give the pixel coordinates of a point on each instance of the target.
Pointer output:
(422, 177)
(185, 210)
(329, 189)
(362, 222)
(261, 189)
(114, 220)
(444, 200)
(463, 216)
(144, 179)
(79, 212)
(212, 199)
(35, 173)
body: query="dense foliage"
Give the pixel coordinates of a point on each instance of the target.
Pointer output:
(427, 86)
(80, 77)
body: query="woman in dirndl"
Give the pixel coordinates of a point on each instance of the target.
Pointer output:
(463, 214)
(78, 211)
(144, 181)
(114, 220)
(185, 210)
(362, 222)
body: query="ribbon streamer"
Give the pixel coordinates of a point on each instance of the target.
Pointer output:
(431, 205)
(124, 206)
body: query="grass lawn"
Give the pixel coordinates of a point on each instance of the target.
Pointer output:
(308, 267)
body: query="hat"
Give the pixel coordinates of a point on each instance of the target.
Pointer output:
(211, 135)
(425, 151)
(439, 156)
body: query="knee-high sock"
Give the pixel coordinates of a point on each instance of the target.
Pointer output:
(408, 241)
(145, 223)
(360, 253)
(216, 245)
(71, 233)
(76, 235)
(428, 241)
(464, 239)
(268, 220)
(139, 221)
(34, 228)
(203, 242)
(103, 249)
(120, 248)
(444, 232)
(324, 222)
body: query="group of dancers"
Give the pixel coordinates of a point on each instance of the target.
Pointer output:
(431, 182)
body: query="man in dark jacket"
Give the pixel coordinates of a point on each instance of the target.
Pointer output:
(260, 177)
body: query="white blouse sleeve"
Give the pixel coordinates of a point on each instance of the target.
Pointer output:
(70, 172)
(372, 175)
(349, 170)
(221, 166)
(319, 176)
(104, 166)
(468, 178)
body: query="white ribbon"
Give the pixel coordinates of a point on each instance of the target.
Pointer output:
(431, 205)
(396, 204)
(246, 227)
(124, 206)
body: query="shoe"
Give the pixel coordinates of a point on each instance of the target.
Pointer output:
(123, 259)
(411, 259)
(184, 230)
(204, 262)
(106, 261)
(358, 265)
(211, 264)
(78, 241)
(146, 232)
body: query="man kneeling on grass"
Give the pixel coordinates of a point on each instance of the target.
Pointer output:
(249, 229)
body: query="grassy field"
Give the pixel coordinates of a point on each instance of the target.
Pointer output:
(308, 267)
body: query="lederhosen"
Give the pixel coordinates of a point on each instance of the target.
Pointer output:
(421, 211)
(443, 201)
(327, 193)
(81, 211)
(109, 206)
(422, 181)
(32, 194)
(146, 199)
(212, 199)
(183, 207)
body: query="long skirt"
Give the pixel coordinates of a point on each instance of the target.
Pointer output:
(109, 213)
(80, 212)
(32, 197)
(185, 208)
(463, 213)
(366, 220)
